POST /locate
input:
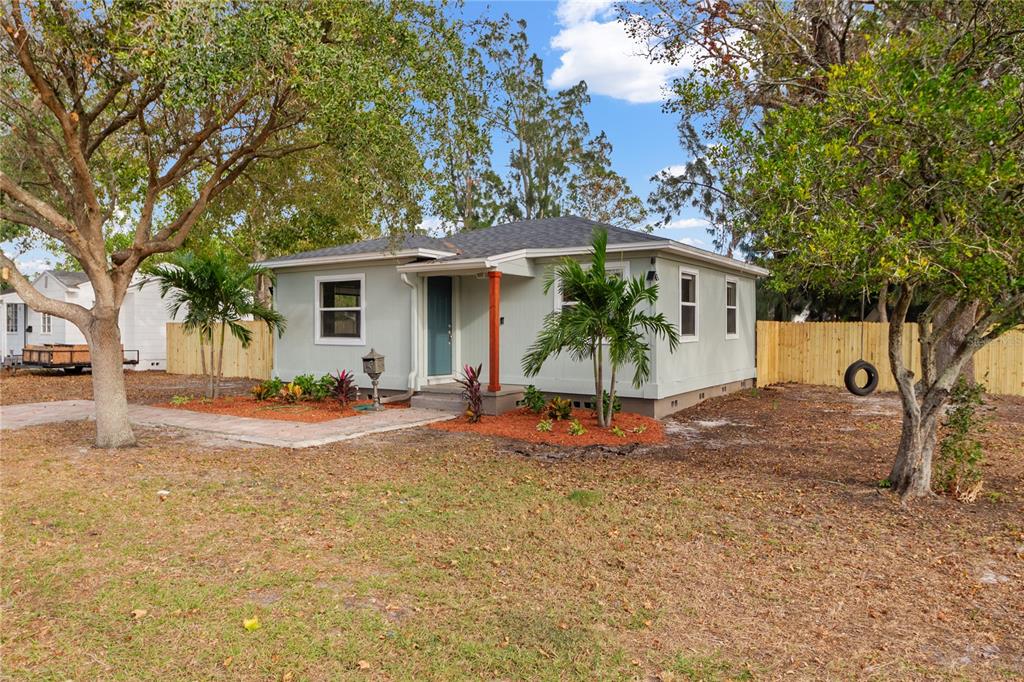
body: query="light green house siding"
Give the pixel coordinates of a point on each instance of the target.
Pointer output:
(711, 360)
(386, 325)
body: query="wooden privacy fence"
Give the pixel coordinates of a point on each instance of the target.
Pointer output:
(820, 352)
(254, 362)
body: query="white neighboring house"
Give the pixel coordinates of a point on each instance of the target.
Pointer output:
(142, 319)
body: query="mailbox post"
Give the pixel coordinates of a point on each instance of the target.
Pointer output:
(373, 366)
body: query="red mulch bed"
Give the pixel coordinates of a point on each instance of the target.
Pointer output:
(302, 411)
(521, 424)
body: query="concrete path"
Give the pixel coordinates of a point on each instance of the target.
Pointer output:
(278, 433)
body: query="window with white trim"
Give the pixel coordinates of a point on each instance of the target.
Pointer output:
(620, 270)
(731, 309)
(46, 324)
(12, 317)
(340, 310)
(688, 305)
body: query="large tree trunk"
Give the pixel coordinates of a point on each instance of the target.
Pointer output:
(924, 402)
(109, 396)
(911, 474)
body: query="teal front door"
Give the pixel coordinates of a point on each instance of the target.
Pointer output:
(439, 326)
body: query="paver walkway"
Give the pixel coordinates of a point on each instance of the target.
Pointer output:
(279, 433)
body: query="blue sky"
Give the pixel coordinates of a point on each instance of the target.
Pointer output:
(581, 40)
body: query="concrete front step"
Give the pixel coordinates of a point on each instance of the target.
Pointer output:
(445, 402)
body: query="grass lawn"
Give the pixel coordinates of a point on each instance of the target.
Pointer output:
(753, 545)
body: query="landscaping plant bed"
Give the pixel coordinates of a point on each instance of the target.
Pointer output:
(301, 411)
(521, 424)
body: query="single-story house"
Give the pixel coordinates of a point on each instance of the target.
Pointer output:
(142, 319)
(432, 304)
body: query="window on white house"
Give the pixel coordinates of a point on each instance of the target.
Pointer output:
(340, 305)
(46, 324)
(12, 317)
(687, 304)
(730, 308)
(620, 270)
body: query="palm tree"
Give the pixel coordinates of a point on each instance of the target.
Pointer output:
(212, 290)
(608, 315)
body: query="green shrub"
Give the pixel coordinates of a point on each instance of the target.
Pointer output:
(558, 408)
(545, 425)
(617, 430)
(640, 429)
(180, 400)
(534, 399)
(313, 388)
(958, 461)
(265, 390)
(616, 404)
(575, 428)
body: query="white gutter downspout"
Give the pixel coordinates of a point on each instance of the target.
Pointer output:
(413, 336)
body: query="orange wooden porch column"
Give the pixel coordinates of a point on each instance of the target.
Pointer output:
(494, 358)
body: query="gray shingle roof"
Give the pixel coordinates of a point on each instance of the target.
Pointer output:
(69, 278)
(379, 245)
(547, 233)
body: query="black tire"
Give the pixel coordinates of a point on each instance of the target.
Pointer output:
(73, 370)
(850, 378)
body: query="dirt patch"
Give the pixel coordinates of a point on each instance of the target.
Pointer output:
(302, 411)
(521, 425)
(144, 388)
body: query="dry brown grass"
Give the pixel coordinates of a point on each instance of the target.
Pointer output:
(33, 386)
(754, 545)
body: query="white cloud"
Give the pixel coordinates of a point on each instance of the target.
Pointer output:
(596, 48)
(31, 266)
(699, 243)
(673, 171)
(687, 224)
(571, 12)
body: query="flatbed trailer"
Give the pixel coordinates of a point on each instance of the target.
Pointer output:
(70, 358)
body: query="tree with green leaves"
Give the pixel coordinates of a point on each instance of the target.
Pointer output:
(742, 59)
(597, 192)
(155, 109)
(325, 195)
(605, 315)
(908, 174)
(215, 295)
(553, 167)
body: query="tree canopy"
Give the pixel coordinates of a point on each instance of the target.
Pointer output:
(151, 111)
(909, 172)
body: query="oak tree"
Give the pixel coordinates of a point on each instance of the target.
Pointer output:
(153, 110)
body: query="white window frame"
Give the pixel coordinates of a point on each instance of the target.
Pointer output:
(45, 324)
(317, 309)
(735, 283)
(695, 305)
(12, 320)
(620, 267)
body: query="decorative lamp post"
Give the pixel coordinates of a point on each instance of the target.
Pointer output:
(373, 366)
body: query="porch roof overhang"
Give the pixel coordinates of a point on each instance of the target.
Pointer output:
(518, 267)
(520, 262)
(341, 259)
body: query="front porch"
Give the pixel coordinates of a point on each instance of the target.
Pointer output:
(460, 322)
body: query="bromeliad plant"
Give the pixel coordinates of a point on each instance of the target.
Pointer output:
(609, 318)
(344, 389)
(472, 392)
